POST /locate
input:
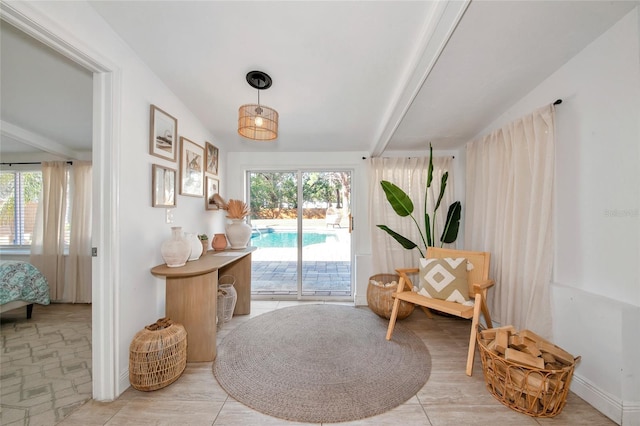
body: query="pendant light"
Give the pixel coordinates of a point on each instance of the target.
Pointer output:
(255, 121)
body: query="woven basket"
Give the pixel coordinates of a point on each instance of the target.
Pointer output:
(157, 355)
(533, 391)
(227, 298)
(380, 300)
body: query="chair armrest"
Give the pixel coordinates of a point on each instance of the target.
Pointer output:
(404, 278)
(482, 285)
(404, 271)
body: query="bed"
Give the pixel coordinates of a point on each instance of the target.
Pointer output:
(21, 284)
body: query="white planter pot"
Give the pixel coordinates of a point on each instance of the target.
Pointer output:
(238, 233)
(196, 245)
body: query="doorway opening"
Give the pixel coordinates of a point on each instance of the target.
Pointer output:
(106, 383)
(301, 224)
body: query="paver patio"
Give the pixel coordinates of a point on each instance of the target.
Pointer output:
(326, 273)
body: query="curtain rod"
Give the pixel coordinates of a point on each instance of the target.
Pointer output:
(364, 158)
(17, 163)
(557, 102)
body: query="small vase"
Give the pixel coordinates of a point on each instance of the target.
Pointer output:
(176, 250)
(238, 233)
(196, 246)
(219, 242)
(205, 246)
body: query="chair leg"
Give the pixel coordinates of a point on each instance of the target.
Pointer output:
(427, 312)
(394, 316)
(485, 310)
(474, 330)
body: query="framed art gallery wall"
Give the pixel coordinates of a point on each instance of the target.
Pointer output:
(192, 168)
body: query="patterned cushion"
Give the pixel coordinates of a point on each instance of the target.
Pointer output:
(444, 279)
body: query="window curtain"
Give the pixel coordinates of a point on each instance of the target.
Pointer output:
(78, 273)
(509, 202)
(47, 246)
(410, 174)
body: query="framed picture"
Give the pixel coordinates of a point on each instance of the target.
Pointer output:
(213, 187)
(211, 158)
(191, 168)
(163, 186)
(163, 134)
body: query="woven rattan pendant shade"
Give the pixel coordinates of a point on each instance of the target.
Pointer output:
(258, 122)
(255, 121)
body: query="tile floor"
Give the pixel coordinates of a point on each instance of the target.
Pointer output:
(45, 369)
(448, 398)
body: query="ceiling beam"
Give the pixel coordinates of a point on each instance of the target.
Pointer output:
(438, 28)
(40, 142)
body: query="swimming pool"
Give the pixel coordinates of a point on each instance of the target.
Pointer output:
(290, 239)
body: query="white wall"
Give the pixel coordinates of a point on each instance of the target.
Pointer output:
(596, 281)
(142, 228)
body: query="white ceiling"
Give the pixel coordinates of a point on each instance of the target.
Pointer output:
(46, 98)
(349, 75)
(500, 51)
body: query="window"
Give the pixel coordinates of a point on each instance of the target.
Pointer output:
(19, 196)
(20, 193)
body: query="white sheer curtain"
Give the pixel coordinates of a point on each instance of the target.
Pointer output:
(78, 275)
(410, 174)
(509, 205)
(47, 246)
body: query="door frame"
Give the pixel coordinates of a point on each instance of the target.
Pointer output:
(105, 154)
(298, 171)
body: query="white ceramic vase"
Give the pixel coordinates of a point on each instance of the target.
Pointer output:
(238, 233)
(176, 250)
(196, 245)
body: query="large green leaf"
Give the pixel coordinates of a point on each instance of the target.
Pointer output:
(404, 242)
(430, 171)
(399, 200)
(443, 186)
(427, 227)
(452, 224)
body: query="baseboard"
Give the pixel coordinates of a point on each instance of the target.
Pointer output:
(599, 399)
(361, 301)
(630, 413)
(123, 382)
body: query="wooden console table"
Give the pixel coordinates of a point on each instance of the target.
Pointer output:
(192, 294)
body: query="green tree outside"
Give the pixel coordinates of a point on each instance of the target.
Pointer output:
(273, 192)
(31, 183)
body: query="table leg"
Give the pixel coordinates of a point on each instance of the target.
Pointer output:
(192, 302)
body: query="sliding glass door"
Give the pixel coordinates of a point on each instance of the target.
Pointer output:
(274, 222)
(301, 226)
(326, 240)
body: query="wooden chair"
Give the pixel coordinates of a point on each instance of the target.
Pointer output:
(479, 283)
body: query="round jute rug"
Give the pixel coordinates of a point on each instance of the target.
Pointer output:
(321, 364)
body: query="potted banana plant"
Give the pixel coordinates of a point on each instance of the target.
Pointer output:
(403, 206)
